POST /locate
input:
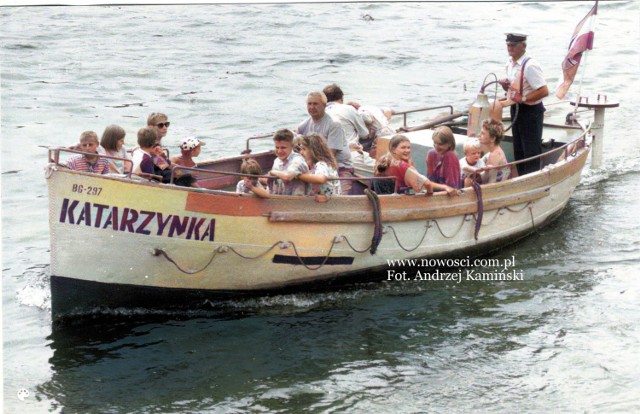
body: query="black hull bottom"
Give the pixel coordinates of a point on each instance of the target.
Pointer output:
(74, 298)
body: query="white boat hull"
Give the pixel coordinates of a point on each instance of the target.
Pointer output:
(118, 242)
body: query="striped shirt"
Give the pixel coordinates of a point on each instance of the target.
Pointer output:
(80, 163)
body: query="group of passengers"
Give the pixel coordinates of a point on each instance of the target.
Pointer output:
(148, 159)
(316, 158)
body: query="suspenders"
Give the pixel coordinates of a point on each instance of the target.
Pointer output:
(524, 63)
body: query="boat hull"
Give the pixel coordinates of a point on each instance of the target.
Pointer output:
(117, 242)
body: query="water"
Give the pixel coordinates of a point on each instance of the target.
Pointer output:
(563, 340)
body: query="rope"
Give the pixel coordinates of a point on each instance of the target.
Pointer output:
(456, 232)
(478, 191)
(509, 209)
(353, 248)
(417, 245)
(377, 237)
(333, 243)
(158, 252)
(283, 244)
(533, 224)
(486, 223)
(377, 220)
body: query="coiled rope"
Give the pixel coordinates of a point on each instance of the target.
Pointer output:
(377, 220)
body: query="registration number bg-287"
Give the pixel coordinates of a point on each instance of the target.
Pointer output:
(88, 190)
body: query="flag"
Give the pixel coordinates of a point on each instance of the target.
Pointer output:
(581, 40)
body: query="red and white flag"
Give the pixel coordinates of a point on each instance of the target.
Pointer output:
(581, 40)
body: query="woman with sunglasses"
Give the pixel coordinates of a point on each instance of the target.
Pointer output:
(160, 122)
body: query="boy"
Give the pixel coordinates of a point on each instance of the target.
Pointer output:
(470, 161)
(288, 166)
(249, 184)
(142, 157)
(88, 163)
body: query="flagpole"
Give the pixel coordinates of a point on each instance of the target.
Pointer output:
(592, 25)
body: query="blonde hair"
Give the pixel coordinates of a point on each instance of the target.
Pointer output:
(471, 143)
(385, 161)
(89, 136)
(319, 150)
(156, 117)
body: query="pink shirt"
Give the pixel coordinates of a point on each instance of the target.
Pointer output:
(443, 169)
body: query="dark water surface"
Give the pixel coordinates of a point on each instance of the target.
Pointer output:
(563, 340)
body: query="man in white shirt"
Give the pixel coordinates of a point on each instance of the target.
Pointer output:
(525, 86)
(351, 121)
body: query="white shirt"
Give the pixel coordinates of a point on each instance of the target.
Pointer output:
(352, 123)
(137, 159)
(533, 76)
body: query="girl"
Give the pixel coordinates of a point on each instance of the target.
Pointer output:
(322, 166)
(112, 144)
(443, 166)
(397, 163)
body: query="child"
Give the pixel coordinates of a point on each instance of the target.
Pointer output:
(189, 149)
(443, 166)
(112, 144)
(142, 157)
(247, 184)
(322, 164)
(471, 159)
(88, 163)
(287, 166)
(162, 167)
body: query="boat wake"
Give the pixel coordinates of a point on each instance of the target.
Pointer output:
(36, 292)
(614, 168)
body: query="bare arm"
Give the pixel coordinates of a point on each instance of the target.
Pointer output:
(313, 178)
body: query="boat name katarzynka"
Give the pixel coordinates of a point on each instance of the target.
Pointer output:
(130, 220)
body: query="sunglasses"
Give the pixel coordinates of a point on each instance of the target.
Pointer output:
(163, 124)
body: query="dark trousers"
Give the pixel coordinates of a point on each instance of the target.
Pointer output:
(527, 135)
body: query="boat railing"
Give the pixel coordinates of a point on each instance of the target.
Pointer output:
(259, 136)
(175, 169)
(54, 157)
(411, 111)
(404, 114)
(568, 149)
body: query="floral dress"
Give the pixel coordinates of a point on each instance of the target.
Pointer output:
(331, 187)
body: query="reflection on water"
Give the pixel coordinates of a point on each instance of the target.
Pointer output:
(303, 349)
